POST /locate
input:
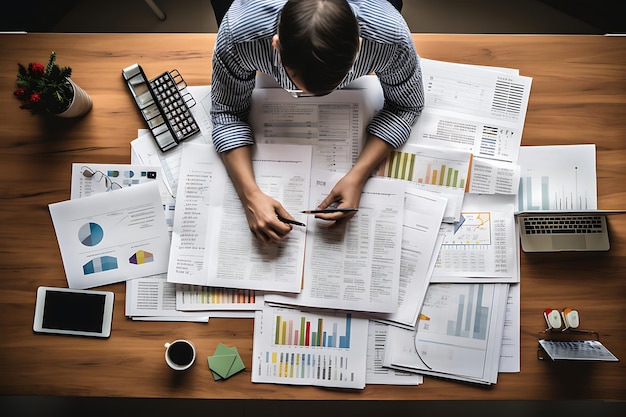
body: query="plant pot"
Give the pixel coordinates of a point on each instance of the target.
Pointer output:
(81, 102)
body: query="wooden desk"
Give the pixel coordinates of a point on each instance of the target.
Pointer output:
(578, 96)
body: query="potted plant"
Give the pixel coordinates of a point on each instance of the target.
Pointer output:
(49, 89)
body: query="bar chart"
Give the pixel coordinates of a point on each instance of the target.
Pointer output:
(557, 178)
(307, 331)
(309, 348)
(460, 310)
(427, 169)
(543, 194)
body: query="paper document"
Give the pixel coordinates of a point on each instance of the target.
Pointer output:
(112, 237)
(153, 298)
(333, 125)
(481, 245)
(459, 334)
(145, 148)
(440, 171)
(560, 177)
(423, 212)
(309, 348)
(198, 297)
(489, 176)
(89, 179)
(477, 109)
(357, 266)
(212, 244)
(376, 372)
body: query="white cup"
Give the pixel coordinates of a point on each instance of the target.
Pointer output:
(180, 354)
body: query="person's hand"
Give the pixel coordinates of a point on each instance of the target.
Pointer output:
(345, 194)
(262, 213)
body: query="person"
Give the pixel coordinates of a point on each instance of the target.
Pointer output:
(311, 47)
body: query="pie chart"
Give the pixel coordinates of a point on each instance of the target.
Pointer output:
(90, 234)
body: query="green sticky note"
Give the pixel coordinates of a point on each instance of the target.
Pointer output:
(225, 362)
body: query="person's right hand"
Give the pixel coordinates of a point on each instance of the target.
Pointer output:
(262, 212)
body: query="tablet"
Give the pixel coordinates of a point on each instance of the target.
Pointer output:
(73, 312)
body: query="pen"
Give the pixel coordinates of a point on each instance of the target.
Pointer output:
(330, 210)
(282, 219)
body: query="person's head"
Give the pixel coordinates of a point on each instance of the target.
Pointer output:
(318, 41)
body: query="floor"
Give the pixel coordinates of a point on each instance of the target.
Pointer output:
(422, 16)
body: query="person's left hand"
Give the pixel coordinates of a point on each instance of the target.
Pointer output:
(345, 194)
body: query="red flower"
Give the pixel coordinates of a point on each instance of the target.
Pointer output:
(37, 69)
(19, 93)
(35, 98)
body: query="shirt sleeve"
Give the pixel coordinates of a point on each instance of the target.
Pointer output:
(403, 93)
(231, 92)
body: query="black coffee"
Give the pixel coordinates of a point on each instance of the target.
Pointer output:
(181, 353)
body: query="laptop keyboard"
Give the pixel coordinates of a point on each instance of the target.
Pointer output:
(563, 225)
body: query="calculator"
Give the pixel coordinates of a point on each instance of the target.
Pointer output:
(163, 105)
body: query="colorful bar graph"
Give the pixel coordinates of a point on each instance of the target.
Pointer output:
(303, 332)
(444, 176)
(404, 165)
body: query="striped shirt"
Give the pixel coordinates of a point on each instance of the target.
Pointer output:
(244, 46)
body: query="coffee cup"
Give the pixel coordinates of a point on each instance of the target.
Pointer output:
(180, 354)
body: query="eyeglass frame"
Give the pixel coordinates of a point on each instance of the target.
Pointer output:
(107, 178)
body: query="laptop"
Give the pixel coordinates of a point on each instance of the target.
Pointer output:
(557, 200)
(560, 231)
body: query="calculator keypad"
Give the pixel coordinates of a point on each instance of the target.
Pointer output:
(176, 112)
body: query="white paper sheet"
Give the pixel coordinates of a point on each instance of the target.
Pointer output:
(198, 297)
(300, 347)
(212, 243)
(89, 179)
(112, 237)
(477, 109)
(459, 334)
(333, 125)
(489, 176)
(145, 148)
(560, 177)
(355, 267)
(440, 171)
(482, 246)
(153, 298)
(423, 213)
(377, 374)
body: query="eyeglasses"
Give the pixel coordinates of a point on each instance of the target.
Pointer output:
(99, 176)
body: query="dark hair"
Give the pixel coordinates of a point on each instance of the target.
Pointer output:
(319, 40)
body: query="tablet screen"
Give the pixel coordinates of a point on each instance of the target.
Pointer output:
(73, 311)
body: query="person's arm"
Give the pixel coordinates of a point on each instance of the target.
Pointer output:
(262, 211)
(231, 91)
(401, 81)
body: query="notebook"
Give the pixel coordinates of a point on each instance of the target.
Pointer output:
(557, 200)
